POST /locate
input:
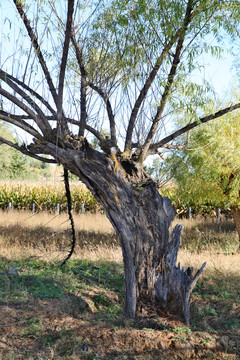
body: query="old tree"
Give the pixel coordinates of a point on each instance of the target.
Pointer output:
(70, 69)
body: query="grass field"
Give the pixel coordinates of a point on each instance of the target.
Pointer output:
(75, 312)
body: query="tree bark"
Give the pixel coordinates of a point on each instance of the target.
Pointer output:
(236, 218)
(141, 218)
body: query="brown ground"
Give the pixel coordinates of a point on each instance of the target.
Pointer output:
(70, 329)
(69, 334)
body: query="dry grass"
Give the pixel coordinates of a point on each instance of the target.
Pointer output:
(51, 314)
(47, 236)
(219, 263)
(201, 235)
(206, 240)
(88, 222)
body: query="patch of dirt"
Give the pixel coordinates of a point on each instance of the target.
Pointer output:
(58, 332)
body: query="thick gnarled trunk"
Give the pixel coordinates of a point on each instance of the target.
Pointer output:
(151, 274)
(142, 218)
(236, 218)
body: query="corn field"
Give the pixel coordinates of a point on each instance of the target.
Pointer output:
(46, 197)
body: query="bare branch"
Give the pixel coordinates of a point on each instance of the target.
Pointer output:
(152, 76)
(20, 119)
(153, 148)
(64, 58)
(43, 123)
(17, 121)
(170, 80)
(24, 151)
(103, 95)
(33, 93)
(105, 98)
(95, 133)
(83, 117)
(22, 106)
(146, 87)
(36, 46)
(177, 146)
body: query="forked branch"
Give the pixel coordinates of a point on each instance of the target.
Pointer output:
(96, 88)
(170, 79)
(111, 118)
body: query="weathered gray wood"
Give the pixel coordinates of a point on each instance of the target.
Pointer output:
(141, 218)
(174, 285)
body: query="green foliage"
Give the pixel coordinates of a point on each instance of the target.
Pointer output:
(128, 36)
(219, 296)
(156, 169)
(14, 165)
(207, 172)
(39, 169)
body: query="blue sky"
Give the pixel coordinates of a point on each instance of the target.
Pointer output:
(220, 74)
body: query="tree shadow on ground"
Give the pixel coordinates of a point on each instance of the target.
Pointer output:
(24, 236)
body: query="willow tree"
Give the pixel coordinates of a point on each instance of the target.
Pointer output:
(123, 66)
(208, 171)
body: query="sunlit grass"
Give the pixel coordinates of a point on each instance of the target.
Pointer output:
(49, 303)
(48, 236)
(89, 222)
(201, 235)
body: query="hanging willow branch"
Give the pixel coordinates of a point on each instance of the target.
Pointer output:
(69, 205)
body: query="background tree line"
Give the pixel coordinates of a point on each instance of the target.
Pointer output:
(16, 166)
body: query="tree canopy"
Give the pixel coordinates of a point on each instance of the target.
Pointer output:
(123, 65)
(207, 171)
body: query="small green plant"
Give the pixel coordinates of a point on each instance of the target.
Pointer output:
(139, 187)
(182, 330)
(210, 311)
(101, 299)
(148, 329)
(34, 327)
(205, 339)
